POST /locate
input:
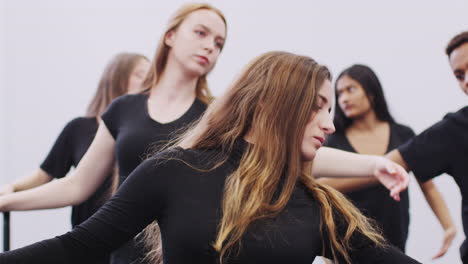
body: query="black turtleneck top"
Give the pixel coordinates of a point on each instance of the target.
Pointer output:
(186, 202)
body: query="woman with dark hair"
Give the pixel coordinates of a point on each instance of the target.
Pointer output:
(364, 125)
(124, 74)
(237, 187)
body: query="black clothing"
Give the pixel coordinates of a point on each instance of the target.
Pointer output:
(68, 149)
(443, 148)
(186, 202)
(374, 201)
(136, 135)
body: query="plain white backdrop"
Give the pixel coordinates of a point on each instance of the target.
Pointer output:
(53, 52)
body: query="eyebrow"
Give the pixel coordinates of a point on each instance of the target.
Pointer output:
(209, 30)
(344, 88)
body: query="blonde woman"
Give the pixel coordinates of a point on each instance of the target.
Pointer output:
(176, 94)
(237, 188)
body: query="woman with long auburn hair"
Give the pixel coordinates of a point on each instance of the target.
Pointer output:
(237, 187)
(175, 94)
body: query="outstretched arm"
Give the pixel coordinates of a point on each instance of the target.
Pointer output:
(38, 177)
(346, 185)
(139, 201)
(331, 162)
(71, 190)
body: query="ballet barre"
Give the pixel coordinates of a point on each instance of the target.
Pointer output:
(6, 231)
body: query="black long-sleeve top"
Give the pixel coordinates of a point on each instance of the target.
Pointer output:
(186, 202)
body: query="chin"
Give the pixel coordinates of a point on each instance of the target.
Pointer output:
(308, 155)
(350, 115)
(197, 69)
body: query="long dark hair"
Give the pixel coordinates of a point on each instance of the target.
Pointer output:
(367, 78)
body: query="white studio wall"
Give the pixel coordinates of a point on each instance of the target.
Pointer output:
(53, 53)
(2, 95)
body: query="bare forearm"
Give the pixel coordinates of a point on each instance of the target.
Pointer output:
(37, 178)
(73, 189)
(54, 194)
(330, 162)
(346, 185)
(437, 203)
(396, 157)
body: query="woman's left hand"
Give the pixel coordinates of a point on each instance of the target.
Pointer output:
(449, 235)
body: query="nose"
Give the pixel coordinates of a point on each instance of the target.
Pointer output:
(209, 45)
(464, 83)
(327, 125)
(343, 98)
(466, 79)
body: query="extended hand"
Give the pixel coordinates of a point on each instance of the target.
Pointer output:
(392, 176)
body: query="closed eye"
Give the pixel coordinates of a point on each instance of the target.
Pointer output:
(200, 33)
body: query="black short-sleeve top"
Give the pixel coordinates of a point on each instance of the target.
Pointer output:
(375, 201)
(137, 134)
(67, 151)
(442, 148)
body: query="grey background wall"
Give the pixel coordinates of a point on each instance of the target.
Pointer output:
(53, 52)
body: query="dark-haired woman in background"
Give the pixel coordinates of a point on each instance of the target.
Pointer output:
(364, 125)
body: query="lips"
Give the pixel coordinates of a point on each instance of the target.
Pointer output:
(347, 107)
(203, 59)
(320, 139)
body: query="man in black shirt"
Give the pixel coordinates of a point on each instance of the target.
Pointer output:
(443, 147)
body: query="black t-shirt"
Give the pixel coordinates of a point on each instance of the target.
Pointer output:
(68, 149)
(137, 135)
(443, 148)
(186, 202)
(374, 201)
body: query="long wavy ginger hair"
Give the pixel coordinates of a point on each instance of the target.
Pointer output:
(272, 101)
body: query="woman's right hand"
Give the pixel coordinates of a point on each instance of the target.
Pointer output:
(2, 202)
